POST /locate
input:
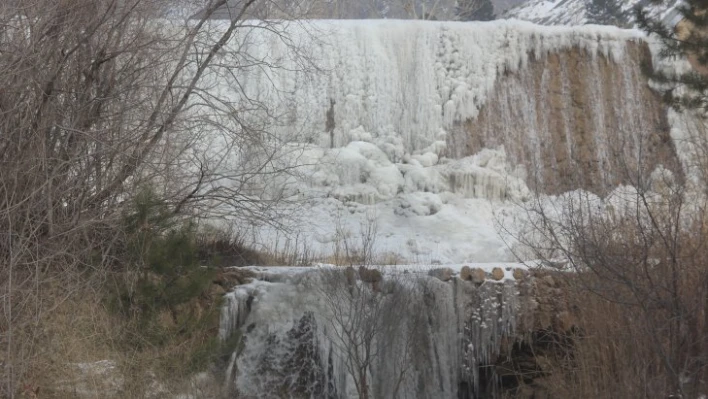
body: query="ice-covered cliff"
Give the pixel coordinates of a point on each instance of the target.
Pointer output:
(407, 81)
(575, 121)
(433, 128)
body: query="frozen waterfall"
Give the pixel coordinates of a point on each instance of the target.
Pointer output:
(432, 130)
(328, 333)
(436, 127)
(397, 83)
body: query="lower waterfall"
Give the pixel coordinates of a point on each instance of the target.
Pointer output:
(341, 333)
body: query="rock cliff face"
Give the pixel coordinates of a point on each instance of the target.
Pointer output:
(409, 121)
(575, 120)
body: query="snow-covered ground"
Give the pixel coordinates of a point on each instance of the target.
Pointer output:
(410, 212)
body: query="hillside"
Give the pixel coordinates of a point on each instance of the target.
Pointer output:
(577, 12)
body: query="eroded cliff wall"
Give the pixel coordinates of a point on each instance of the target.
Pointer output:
(575, 120)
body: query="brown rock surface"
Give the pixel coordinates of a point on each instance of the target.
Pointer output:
(578, 124)
(216, 290)
(497, 273)
(369, 275)
(466, 273)
(478, 275)
(684, 29)
(443, 273)
(233, 276)
(519, 274)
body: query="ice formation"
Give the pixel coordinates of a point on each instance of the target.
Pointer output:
(414, 335)
(399, 82)
(372, 110)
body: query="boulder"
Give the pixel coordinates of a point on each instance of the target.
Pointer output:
(478, 275)
(443, 273)
(466, 273)
(519, 274)
(497, 273)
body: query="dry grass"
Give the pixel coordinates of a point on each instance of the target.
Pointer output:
(618, 352)
(89, 351)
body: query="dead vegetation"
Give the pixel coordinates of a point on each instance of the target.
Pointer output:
(639, 282)
(97, 103)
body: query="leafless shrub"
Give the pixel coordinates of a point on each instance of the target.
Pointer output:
(355, 248)
(102, 98)
(640, 253)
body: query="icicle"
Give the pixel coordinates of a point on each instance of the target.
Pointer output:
(234, 311)
(416, 78)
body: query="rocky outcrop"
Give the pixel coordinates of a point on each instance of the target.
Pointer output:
(575, 120)
(476, 275)
(684, 30)
(443, 274)
(497, 273)
(227, 278)
(368, 275)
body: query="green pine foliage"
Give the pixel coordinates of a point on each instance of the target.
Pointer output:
(165, 275)
(685, 90)
(163, 290)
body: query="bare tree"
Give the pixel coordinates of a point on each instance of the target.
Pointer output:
(99, 99)
(355, 248)
(372, 324)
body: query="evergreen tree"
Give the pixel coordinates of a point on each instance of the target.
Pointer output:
(687, 38)
(475, 10)
(604, 12)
